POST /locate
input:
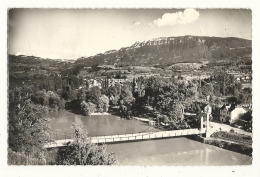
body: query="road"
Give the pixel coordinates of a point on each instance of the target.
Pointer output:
(225, 127)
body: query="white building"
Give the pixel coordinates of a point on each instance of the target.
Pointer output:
(111, 82)
(229, 113)
(94, 82)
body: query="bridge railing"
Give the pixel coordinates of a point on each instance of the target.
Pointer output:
(126, 137)
(189, 131)
(57, 135)
(141, 136)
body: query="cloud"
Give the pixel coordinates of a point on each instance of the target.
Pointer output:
(170, 19)
(137, 23)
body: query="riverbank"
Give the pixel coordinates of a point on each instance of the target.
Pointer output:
(224, 144)
(99, 113)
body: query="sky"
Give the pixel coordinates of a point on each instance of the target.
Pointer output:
(75, 33)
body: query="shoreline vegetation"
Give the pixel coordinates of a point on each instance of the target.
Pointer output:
(224, 144)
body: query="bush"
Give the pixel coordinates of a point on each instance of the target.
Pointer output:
(232, 136)
(82, 152)
(242, 148)
(87, 108)
(232, 131)
(22, 159)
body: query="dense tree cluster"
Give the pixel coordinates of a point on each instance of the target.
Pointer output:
(27, 130)
(167, 97)
(92, 100)
(49, 98)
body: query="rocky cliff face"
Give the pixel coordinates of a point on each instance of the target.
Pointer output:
(169, 50)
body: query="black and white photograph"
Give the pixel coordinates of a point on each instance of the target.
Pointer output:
(133, 88)
(130, 87)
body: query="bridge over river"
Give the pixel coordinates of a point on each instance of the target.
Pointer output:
(132, 137)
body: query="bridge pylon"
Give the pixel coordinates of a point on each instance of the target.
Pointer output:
(207, 126)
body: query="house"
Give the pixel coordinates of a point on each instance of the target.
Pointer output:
(111, 82)
(95, 82)
(230, 112)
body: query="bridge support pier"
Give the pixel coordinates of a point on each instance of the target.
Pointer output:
(207, 127)
(201, 122)
(201, 125)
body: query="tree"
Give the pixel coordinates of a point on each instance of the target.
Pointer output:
(198, 110)
(87, 107)
(114, 93)
(176, 112)
(68, 93)
(223, 82)
(41, 97)
(246, 116)
(93, 95)
(82, 152)
(104, 104)
(217, 101)
(54, 100)
(126, 101)
(81, 94)
(206, 90)
(237, 88)
(211, 98)
(241, 99)
(162, 118)
(49, 99)
(27, 130)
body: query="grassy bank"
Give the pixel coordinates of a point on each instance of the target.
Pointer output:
(240, 148)
(225, 144)
(233, 136)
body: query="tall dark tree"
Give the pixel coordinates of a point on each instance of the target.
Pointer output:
(93, 95)
(27, 130)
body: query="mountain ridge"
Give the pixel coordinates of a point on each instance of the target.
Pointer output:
(170, 50)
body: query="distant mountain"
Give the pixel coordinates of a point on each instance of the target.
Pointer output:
(170, 50)
(34, 59)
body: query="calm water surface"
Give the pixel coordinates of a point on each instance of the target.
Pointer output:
(179, 151)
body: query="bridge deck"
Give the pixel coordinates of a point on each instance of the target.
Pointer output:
(132, 137)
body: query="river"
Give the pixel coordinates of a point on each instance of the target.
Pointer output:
(179, 151)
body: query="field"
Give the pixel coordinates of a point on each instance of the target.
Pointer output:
(187, 65)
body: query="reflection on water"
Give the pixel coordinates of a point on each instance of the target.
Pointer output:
(97, 125)
(78, 119)
(174, 151)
